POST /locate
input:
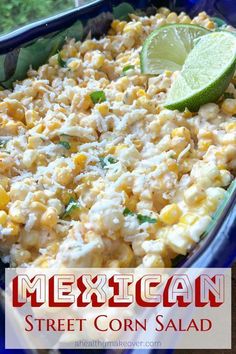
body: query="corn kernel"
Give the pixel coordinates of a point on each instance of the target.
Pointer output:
(172, 166)
(225, 177)
(111, 32)
(3, 218)
(181, 132)
(120, 147)
(49, 218)
(194, 195)
(64, 176)
(40, 196)
(34, 142)
(114, 24)
(19, 256)
(131, 203)
(30, 239)
(4, 182)
(38, 207)
(124, 255)
(170, 214)
(29, 157)
(53, 248)
(140, 93)
(113, 264)
(188, 219)
(206, 135)
(98, 61)
(229, 106)
(74, 65)
(53, 125)
(15, 212)
(14, 228)
(185, 19)
(31, 118)
(87, 45)
(103, 108)
(168, 73)
(153, 261)
(66, 195)
(16, 110)
(187, 113)
(39, 128)
(133, 27)
(210, 25)
(86, 103)
(138, 144)
(172, 18)
(79, 161)
(4, 198)
(164, 11)
(203, 145)
(230, 127)
(110, 150)
(118, 26)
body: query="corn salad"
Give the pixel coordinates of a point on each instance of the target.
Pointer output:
(95, 172)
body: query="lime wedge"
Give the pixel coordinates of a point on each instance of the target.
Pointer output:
(206, 72)
(167, 47)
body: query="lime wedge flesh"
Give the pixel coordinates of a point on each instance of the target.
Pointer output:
(167, 47)
(206, 72)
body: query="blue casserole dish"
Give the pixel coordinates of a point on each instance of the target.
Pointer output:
(34, 43)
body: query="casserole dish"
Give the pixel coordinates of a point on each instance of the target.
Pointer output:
(33, 45)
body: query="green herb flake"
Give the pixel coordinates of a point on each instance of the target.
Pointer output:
(71, 206)
(110, 159)
(65, 144)
(219, 22)
(61, 62)
(67, 135)
(228, 95)
(128, 67)
(144, 218)
(3, 144)
(98, 96)
(127, 212)
(102, 162)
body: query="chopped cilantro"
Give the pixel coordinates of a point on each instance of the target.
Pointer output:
(110, 159)
(228, 95)
(141, 218)
(3, 144)
(64, 134)
(61, 62)
(102, 162)
(127, 212)
(71, 206)
(218, 22)
(65, 144)
(127, 67)
(145, 218)
(98, 96)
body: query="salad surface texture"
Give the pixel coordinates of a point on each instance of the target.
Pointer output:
(95, 171)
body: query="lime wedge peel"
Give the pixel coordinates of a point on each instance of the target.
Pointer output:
(167, 47)
(206, 72)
